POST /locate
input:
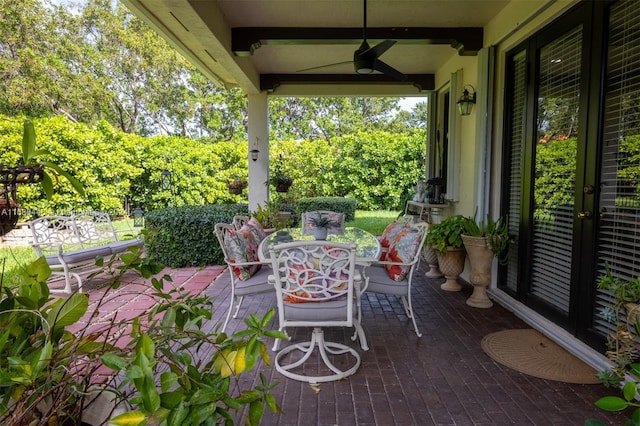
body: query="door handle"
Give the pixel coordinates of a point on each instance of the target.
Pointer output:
(584, 215)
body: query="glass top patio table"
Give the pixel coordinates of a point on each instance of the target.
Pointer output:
(367, 245)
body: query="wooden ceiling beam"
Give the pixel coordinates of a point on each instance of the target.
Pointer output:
(270, 82)
(245, 40)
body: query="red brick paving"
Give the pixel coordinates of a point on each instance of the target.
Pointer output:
(443, 378)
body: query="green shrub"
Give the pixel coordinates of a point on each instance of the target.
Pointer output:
(184, 236)
(335, 204)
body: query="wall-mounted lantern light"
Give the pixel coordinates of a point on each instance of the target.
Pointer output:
(166, 183)
(138, 217)
(467, 100)
(255, 151)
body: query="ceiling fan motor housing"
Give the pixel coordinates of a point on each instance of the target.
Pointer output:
(363, 62)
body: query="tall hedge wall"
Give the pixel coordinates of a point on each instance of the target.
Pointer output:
(117, 169)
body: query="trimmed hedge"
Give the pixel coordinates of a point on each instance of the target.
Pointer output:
(335, 204)
(185, 236)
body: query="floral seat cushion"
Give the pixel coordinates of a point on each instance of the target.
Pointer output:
(403, 249)
(242, 247)
(256, 229)
(390, 232)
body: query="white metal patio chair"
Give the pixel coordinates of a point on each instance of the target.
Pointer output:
(248, 276)
(394, 275)
(239, 221)
(315, 287)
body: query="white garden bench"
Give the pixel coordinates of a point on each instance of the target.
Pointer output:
(72, 244)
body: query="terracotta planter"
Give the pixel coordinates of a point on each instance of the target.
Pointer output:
(480, 258)
(451, 265)
(431, 258)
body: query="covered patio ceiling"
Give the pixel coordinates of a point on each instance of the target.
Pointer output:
(262, 45)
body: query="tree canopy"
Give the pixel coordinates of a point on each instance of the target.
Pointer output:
(96, 61)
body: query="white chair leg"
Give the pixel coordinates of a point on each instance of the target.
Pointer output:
(324, 348)
(359, 334)
(235, 314)
(276, 343)
(67, 280)
(77, 277)
(406, 302)
(226, 321)
(233, 299)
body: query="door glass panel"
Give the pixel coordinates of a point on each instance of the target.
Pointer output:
(555, 169)
(517, 102)
(618, 243)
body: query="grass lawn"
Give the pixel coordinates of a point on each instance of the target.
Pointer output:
(375, 221)
(13, 259)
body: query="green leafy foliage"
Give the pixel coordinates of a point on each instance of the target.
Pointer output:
(31, 156)
(114, 166)
(555, 164)
(177, 369)
(36, 352)
(622, 345)
(447, 233)
(496, 232)
(185, 236)
(378, 169)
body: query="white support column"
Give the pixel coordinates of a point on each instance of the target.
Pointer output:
(258, 131)
(484, 90)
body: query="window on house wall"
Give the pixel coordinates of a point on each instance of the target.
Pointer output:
(572, 149)
(517, 72)
(618, 242)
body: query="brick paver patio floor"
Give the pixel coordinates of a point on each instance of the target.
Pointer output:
(443, 378)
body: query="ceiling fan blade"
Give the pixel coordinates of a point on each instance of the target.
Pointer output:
(324, 66)
(381, 47)
(378, 65)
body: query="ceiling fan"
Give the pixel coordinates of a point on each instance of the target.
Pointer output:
(367, 59)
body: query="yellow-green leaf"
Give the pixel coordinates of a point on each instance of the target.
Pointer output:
(130, 418)
(239, 361)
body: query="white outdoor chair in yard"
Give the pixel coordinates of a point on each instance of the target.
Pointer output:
(394, 275)
(239, 221)
(315, 287)
(249, 276)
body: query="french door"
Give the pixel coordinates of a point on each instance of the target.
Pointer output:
(572, 175)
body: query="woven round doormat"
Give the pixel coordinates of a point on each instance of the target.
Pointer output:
(528, 351)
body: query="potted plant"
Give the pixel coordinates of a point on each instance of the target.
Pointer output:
(279, 179)
(272, 217)
(32, 170)
(446, 240)
(484, 240)
(625, 314)
(622, 346)
(236, 186)
(321, 225)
